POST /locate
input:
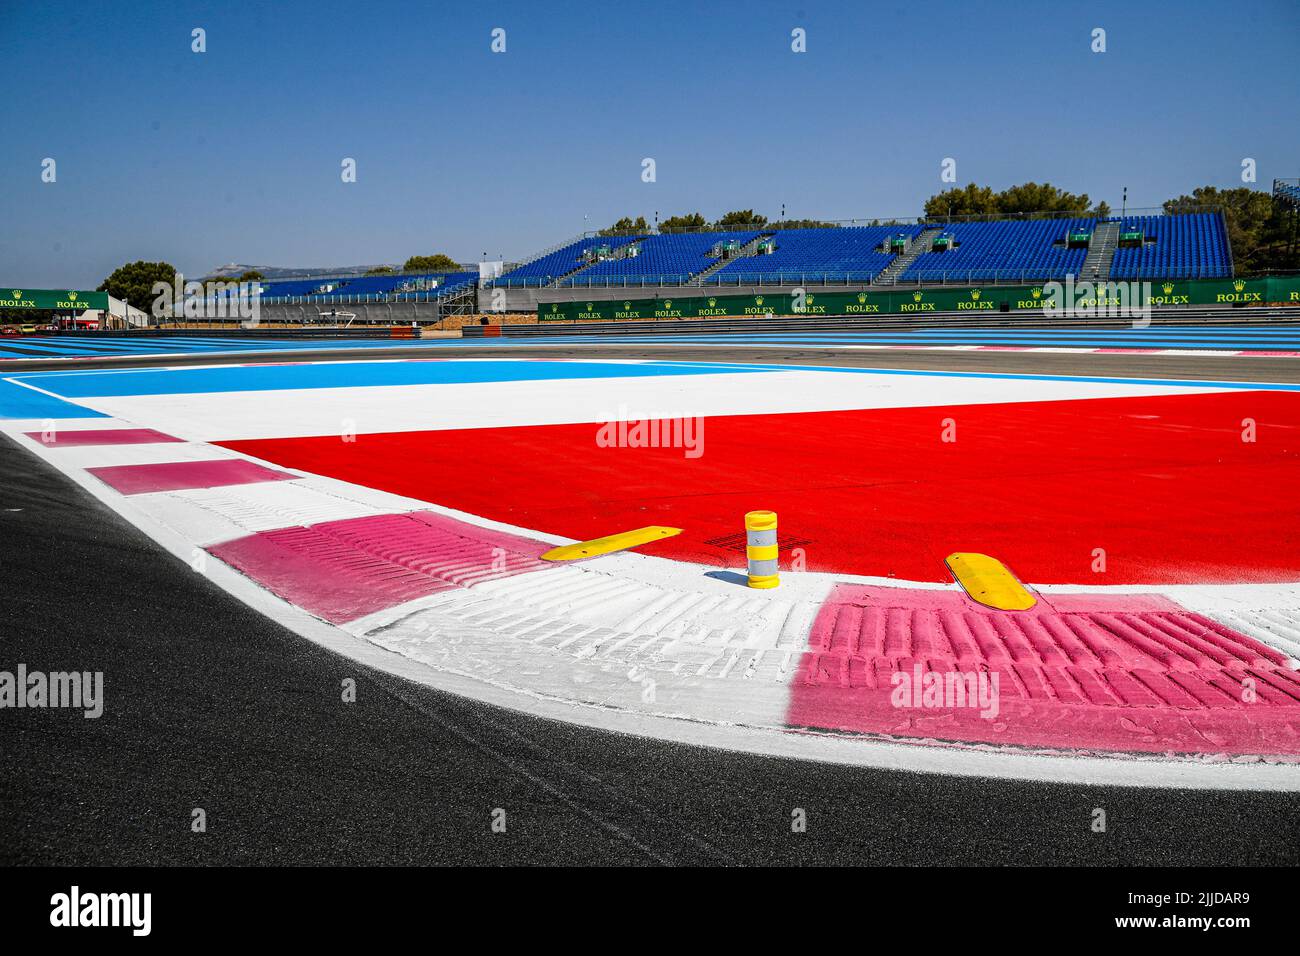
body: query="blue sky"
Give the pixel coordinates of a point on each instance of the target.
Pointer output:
(234, 154)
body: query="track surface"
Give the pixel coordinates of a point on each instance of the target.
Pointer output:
(1270, 331)
(209, 704)
(1195, 367)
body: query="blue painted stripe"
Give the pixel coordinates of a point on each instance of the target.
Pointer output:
(1227, 346)
(1128, 341)
(1230, 338)
(113, 382)
(234, 378)
(16, 401)
(1033, 377)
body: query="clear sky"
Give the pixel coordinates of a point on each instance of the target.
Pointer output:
(234, 154)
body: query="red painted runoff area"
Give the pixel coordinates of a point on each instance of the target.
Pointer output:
(1192, 488)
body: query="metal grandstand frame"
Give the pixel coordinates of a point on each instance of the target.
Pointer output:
(462, 301)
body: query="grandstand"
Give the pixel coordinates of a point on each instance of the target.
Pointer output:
(383, 297)
(669, 258)
(925, 252)
(855, 254)
(420, 287)
(556, 264)
(1192, 245)
(1033, 250)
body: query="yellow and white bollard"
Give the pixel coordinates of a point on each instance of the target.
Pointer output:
(760, 550)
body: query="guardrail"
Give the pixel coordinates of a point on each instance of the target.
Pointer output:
(264, 332)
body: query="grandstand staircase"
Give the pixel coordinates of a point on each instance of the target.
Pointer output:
(616, 241)
(558, 282)
(889, 275)
(747, 250)
(1101, 252)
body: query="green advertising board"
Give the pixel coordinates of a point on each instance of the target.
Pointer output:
(1270, 290)
(988, 299)
(675, 307)
(13, 297)
(1283, 289)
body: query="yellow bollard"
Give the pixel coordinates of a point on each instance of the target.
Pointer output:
(760, 549)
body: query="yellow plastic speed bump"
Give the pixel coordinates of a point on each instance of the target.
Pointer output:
(610, 543)
(988, 581)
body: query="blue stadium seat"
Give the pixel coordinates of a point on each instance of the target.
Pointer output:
(672, 257)
(447, 284)
(1190, 246)
(546, 269)
(1031, 249)
(291, 287)
(849, 254)
(394, 285)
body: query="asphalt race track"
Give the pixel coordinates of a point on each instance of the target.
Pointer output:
(212, 705)
(1261, 368)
